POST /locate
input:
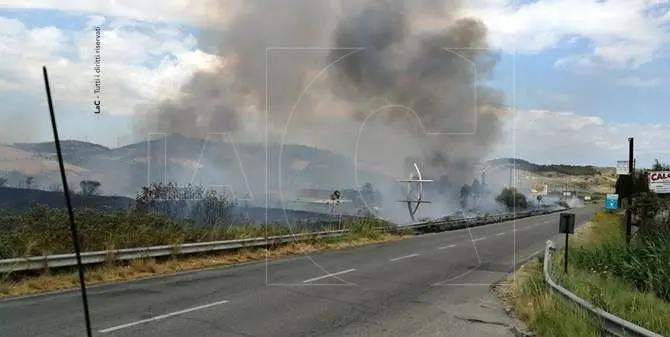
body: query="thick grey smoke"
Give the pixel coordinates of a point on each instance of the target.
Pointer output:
(434, 73)
(258, 45)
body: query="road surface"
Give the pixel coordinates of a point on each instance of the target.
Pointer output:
(429, 285)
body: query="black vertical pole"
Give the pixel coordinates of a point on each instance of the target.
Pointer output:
(631, 172)
(565, 258)
(66, 190)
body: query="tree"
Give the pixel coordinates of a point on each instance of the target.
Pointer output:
(189, 202)
(3, 182)
(367, 193)
(89, 187)
(476, 192)
(371, 197)
(476, 188)
(465, 194)
(539, 199)
(512, 199)
(29, 181)
(658, 166)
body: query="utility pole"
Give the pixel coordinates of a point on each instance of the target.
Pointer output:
(631, 174)
(510, 176)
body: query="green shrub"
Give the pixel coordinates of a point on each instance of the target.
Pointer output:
(644, 263)
(512, 199)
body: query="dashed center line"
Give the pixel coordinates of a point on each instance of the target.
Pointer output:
(156, 318)
(479, 239)
(447, 247)
(328, 275)
(404, 257)
(500, 234)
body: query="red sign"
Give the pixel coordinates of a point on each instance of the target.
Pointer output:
(660, 176)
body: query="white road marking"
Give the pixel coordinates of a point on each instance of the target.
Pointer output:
(180, 312)
(446, 247)
(479, 239)
(404, 257)
(500, 234)
(328, 275)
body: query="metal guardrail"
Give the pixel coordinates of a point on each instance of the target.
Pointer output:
(480, 220)
(69, 260)
(611, 324)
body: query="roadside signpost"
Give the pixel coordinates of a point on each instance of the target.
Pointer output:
(566, 225)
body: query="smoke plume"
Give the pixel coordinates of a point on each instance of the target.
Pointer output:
(372, 53)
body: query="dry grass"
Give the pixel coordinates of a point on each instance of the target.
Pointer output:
(543, 312)
(140, 269)
(601, 184)
(13, 159)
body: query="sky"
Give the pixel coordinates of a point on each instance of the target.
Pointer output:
(580, 76)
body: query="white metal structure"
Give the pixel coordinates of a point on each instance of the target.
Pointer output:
(413, 190)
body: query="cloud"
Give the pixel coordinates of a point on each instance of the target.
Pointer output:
(202, 12)
(622, 33)
(636, 81)
(136, 66)
(565, 137)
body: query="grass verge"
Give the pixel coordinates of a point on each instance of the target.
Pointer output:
(548, 314)
(17, 285)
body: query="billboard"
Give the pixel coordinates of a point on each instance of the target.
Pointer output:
(659, 182)
(622, 167)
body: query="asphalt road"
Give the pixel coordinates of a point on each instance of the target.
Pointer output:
(429, 285)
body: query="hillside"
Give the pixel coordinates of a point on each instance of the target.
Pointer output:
(17, 166)
(239, 169)
(523, 165)
(74, 151)
(558, 177)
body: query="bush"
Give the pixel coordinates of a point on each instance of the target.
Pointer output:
(164, 214)
(642, 263)
(512, 199)
(45, 231)
(191, 203)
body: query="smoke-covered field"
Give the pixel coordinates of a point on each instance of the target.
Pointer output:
(367, 79)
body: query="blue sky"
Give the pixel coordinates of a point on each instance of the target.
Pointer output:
(573, 75)
(536, 83)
